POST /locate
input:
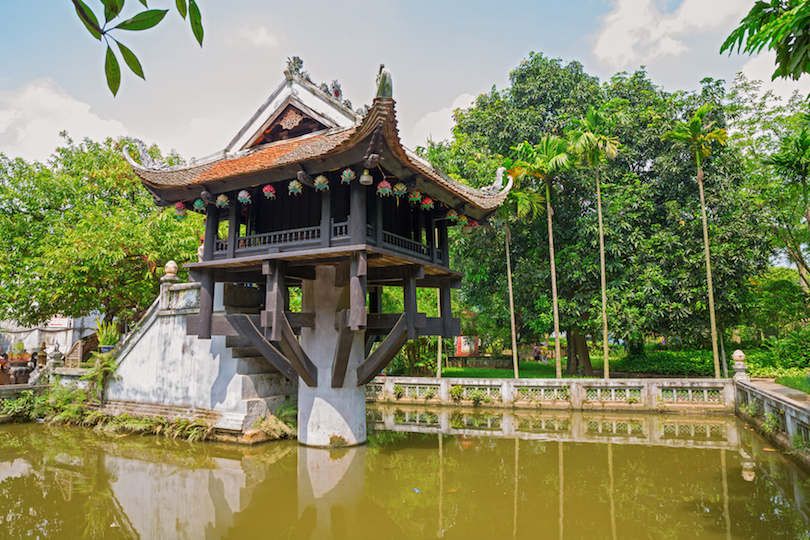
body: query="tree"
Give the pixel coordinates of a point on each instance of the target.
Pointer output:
(591, 137)
(144, 20)
(81, 235)
(543, 162)
(780, 25)
(699, 139)
(793, 162)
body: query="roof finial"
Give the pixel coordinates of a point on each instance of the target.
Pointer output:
(385, 88)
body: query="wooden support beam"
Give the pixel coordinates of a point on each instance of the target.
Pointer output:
(395, 273)
(357, 213)
(386, 321)
(296, 320)
(443, 247)
(409, 301)
(384, 354)
(357, 291)
(295, 354)
(221, 327)
(446, 310)
(206, 304)
(211, 227)
(274, 299)
(247, 328)
(343, 349)
(234, 217)
(326, 219)
(430, 236)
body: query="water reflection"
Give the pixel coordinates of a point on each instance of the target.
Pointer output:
(430, 473)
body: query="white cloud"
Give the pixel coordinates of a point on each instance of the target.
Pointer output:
(255, 35)
(761, 68)
(437, 125)
(636, 32)
(32, 117)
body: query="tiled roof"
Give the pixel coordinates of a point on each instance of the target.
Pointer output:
(301, 149)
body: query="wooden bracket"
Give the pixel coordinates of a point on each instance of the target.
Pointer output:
(246, 328)
(384, 354)
(295, 354)
(342, 350)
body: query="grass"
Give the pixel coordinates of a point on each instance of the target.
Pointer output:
(526, 370)
(797, 381)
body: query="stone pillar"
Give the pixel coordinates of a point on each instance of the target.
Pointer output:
(329, 417)
(739, 366)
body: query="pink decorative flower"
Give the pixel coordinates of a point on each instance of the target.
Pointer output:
(384, 188)
(269, 191)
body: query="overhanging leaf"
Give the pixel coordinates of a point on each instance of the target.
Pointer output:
(182, 8)
(88, 18)
(196, 21)
(112, 8)
(143, 20)
(113, 71)
(131, 60)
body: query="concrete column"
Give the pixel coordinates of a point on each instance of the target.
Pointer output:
(329, 417)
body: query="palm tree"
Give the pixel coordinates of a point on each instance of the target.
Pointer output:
(698, 137)
(793, 162)
(591, 138)
(544, 161)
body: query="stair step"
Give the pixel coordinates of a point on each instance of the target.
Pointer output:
(263, 385)
(237, 341)
(245, 352)
(254, 365)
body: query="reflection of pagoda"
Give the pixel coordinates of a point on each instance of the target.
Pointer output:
(317, 196)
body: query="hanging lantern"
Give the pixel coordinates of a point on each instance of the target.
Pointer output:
(269, 191)
(426, 204)
(243, 197)
(473, 223)
(347, 176)
(462, 220)
(415, 197)
(294, 187)
(223, 201)
(400, 189)
(384, 189)
(366, 179)
(452, 215)
(321, 183)
(180, 209)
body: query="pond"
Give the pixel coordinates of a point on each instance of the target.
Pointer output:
(424, 474)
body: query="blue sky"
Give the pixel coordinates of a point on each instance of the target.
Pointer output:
(441, 53)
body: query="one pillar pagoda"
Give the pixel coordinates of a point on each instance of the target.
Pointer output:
(327, 199)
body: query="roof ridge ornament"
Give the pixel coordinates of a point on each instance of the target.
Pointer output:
(385, 85)
(148, 161)
(496, 188)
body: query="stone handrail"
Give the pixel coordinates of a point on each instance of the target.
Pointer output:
(671, 395)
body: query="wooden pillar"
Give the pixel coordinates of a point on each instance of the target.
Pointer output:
(211, 227)
(357, 291)
(357, 213)
(233, 228)
(446, 310)
(430, 234)
(326, 219)
(378, 220)
(444, 251)
(409, 301)
(274, 298)
(206, 303)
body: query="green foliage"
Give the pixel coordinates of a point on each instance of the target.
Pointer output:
(143, 20)
(102, 368)
(793, 350)
(690, 363)
(288, 413)
(107, 333)
(477, 395)
(750, 409)
(24, 408)
(399, 391)
(780, 25)
(770, 423)
(81, 235)
(799, 381)
(456, 392)
(430, 393)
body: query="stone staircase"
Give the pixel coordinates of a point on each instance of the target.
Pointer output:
(264, 389)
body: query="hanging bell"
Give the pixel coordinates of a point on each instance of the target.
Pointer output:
(366, 179)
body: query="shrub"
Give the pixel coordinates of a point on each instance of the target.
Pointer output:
(399, 391)
(456, 392)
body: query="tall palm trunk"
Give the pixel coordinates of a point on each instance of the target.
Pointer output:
(511, 303)
(553, 281)
(715, 352)
(603, 279)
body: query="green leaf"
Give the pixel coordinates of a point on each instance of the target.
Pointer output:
(113, 71)
(112, 8)
(144, 3)
(182, 8)
(131, 60)
(88, 18)
(143, 20)
(196, 21)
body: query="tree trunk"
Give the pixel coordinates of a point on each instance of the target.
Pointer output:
(712, 322)
(584, 357)
(553, 281)
(603, 278)
(511, 304)
(571, 366)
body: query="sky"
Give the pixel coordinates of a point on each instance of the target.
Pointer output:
(441, 53)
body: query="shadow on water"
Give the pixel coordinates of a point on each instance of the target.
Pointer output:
(424, 474)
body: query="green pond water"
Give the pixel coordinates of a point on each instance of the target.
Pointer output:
(424, 474)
